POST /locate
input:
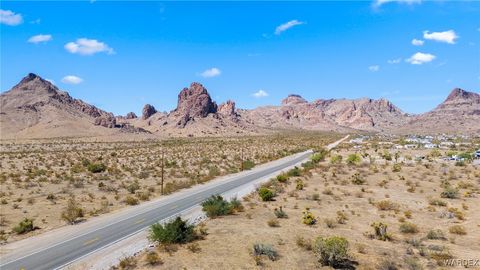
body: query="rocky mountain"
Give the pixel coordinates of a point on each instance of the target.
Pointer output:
(333, 114)
(35, 108)
(459, 113)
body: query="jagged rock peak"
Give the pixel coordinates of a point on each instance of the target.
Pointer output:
(131, 115)
(148, 110)
(293, 99)
(33, 82)
(459, 93)
(194, 102)
(228, 108)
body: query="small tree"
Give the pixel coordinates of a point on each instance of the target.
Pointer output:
(216, 206)
(72, 212)
(173, 232)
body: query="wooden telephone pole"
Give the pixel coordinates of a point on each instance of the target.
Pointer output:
(162, 166)
(241, 159)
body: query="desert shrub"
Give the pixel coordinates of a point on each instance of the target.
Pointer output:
(386, 155)
(336, 159)
(129, 200)
(128, 263)
(152, 258)
(273, 223)
(73, 211)
(282, 178)
(194, 247)
(436, 235)
(450, 193)
(266, 194)
(457, 229)
(248, 164)
(387, 264)
(25, 226)
(341, 217)
(267, 250)
(408, 227)
(96, 167)
(330, 223)
(279, 213)
(308, 218)
(303, 243)
(380, 231)
(413, 264)
(133, 187)
(319, 156)
(357, 179)
(176, 231)
(353, 159)
(299, 185)
(236, 204)
(294, 172)
(216, 206)
(386, 205)
(437, 202)
(396, 167)
(332, 251)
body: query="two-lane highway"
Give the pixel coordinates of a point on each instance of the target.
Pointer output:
(63, 252)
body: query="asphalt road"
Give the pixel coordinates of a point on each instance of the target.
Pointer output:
(62, 253)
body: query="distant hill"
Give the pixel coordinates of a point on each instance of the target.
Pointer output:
(35, 108)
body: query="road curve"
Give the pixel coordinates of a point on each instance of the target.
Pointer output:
(64, 251)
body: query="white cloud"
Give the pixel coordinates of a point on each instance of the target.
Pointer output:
(446, 36)
(40, 38)
(284, 27)
(374, 68)
(417, 42)
(212, 72)
(260, 94)
(85, 46)
(71, 79)
(420, 58)
(8, 17)
(378, 3)
(395, 61)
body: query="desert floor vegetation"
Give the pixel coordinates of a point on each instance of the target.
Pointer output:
(347, 215)
(53, 183)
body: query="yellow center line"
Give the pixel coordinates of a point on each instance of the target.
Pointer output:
(140, 221)
(91, 241)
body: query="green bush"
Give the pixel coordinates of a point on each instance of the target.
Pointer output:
(319, 156)
(25, 226)
(299, 185)
(353, 159)
(436, 235)
(332, 251)
(279, 213)
(96, 167)
(72, 212)
(408, 227)
(336, 159)
(217, 206)
(308, 217)
(248, 164)
(266, 194)
(282, 178)
(172, 232)
(294, 172)
(450, 193)
(396, 167)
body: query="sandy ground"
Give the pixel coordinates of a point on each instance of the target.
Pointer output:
(328, 191)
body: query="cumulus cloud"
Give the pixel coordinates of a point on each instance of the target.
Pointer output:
(40, 38)
(85, 46)
(420, 58)
(417, 42)
(378, 3)
(446, 36)
(374, 68)
(9, 17)
(395, 61)
(212, 72)
(284, 27)
(260, 94)
(72, 79)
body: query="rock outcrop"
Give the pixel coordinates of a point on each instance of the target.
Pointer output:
(294, 99)
(193, 102)
(229, 110)
(131, 115)
(107, 121)
(148, 110)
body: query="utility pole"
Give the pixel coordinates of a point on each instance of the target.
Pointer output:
(163, 165)
(241, 158)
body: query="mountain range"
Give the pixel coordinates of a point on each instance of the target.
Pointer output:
(35, 108)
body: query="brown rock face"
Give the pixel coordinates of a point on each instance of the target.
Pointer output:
(294, 99)
(107, 121)
(193, 102)
(148, 110)
(131, 115)
(228, 109)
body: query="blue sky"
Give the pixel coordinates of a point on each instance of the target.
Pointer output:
(121, 55)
